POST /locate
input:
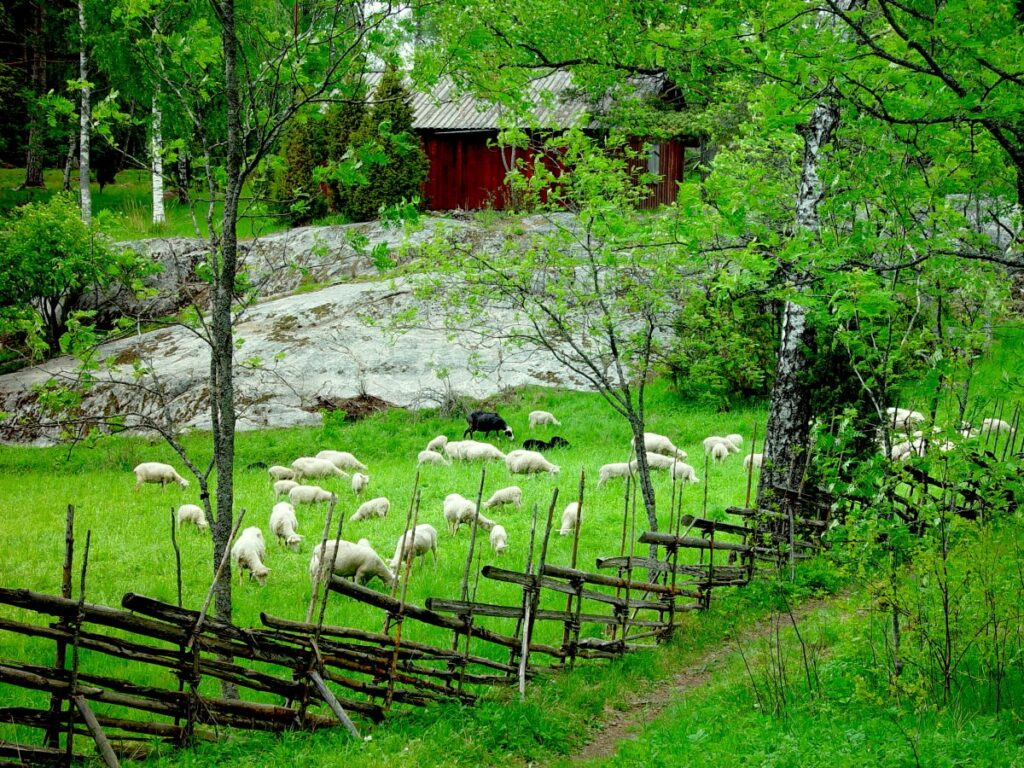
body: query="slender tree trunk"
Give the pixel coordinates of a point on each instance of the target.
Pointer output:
(789, 414)
(158, 160)
(69, 162)
(37, 74)
(85, 120)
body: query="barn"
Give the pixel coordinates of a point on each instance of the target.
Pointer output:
(468, 169)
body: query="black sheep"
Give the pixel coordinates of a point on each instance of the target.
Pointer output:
(540, 445)
(487, 422)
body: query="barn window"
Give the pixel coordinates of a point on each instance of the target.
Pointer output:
(654, 159)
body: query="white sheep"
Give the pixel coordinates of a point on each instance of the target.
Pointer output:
(285, 525)
(720, 451)
(757, 459)
(277, 472)
(192, 513)
(735, 439)
(308, 466)
(437, 444)
(458, 510)
(453, 449)
(684, 471)
(431, 457)
(283, 488)
(513, 495)
(655, 443)
(378, 507)
(248, 553)
(540, 418)
(342, 460)
(994, 425)
(475, 451)
(608, 471)
(357, 560)
(415, 543)
(902, 418)
(359, 482)
(499, 539)
(570, 518)
(155, 472)
(310, 494)
(711, 442)
(522, 462)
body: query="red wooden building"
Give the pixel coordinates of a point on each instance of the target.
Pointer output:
(468, 169)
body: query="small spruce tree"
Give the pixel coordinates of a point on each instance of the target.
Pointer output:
(296, 193)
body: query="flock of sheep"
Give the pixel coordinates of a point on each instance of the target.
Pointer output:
(915, 442)
(358, 559)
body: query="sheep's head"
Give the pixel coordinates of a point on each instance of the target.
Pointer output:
(508, 433)
(294, 541)
(183, 482)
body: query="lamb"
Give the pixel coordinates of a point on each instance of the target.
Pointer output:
(248, 553)
(570, 519)
(283, 488)
(499, 539)
(415, 543)
(539, 418)
(308, 466)
(539, 445)
(378, 507)
(342, 460)
(437, 443)
(513, 495)
(720, 451)
(524, 462)
(735, 439)
(359, 482)
(474, 451)
(655, 461)
(994, 425)
(458, 510)
(608, 471)
(655, 443)
(431, 457)
(683, 471)
(277, 472)
(454, 448)
(902, 418)
(310, 494)
(711, 442)
(487, 422)
(284, 525)
(155, 472)
(192, 513)
(757, 459)
(356, 560)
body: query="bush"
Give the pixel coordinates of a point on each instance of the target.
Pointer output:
(296, 193)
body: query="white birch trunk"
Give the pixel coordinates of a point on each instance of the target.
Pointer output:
(85, 120)
(158, 160)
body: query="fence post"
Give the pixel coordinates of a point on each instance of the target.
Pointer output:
(52, 735)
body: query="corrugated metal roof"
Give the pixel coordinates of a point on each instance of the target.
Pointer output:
(555, 104)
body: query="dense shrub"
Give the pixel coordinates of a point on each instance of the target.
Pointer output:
(297, 194)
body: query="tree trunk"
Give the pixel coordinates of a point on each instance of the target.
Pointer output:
(158, 160)
(69, 162)
(85, 120)
(37, 74)
(789, 412)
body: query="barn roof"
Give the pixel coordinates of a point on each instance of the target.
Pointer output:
(556, 103)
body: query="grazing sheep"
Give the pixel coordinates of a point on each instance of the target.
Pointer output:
(310, 494)
(655, 443)
(570, 519)
(683, 471)
(192, 513)
(277, 472)
(655, 461)
(431, 457)
(720, 451)
(373, 508)
(415, 543)
(539, 445)
(437, 443)
(342, 460)
(735, 439)
(283, 488)
(359, 482)
(248, 553)
(474, 451)
(513, 495)
(499, 539)
(454, 448)
(487, 422)
(308, 466)
(994, 425)
(458, 510)
(539, 418)
(356, 560)
(757, 459)
(711, 442)
(155, 472)
(608, 471)
(525, 462)
(284, 525)
(902, 418)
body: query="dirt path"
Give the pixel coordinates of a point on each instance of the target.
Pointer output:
(626, 723)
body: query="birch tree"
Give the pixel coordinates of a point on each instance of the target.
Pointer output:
(84, 117)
